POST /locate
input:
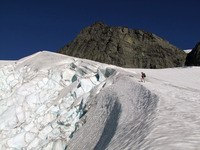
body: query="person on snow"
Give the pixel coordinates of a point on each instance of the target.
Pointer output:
(143, 75)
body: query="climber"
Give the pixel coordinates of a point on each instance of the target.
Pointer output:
(143, 76)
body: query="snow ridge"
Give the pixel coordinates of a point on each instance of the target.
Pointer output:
(121, 117)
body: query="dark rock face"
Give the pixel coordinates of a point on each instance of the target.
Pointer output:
(193, 58)
(124, 47)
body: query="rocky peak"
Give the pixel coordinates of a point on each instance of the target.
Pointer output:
(99, 23)
(193, 58)
(124, 47)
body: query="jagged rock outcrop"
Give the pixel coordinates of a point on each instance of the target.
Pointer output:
(193, 58)
(124, 47)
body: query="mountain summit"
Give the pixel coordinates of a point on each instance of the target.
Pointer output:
(124, 47)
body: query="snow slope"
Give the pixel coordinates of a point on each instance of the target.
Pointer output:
(52, 101)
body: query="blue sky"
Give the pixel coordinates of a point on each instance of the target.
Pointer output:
(29, 26)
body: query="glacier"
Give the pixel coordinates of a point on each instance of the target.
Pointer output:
(58, 102)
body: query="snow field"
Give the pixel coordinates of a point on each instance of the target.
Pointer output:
(178, 119)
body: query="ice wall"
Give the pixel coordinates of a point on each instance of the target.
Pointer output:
(43, 97)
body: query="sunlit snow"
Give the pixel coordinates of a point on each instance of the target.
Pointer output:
(187, 50)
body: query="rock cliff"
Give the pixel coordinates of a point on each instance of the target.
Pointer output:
(193, 58)
(124, 47)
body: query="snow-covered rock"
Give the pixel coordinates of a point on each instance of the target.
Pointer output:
(52, 101)
(187, 50)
